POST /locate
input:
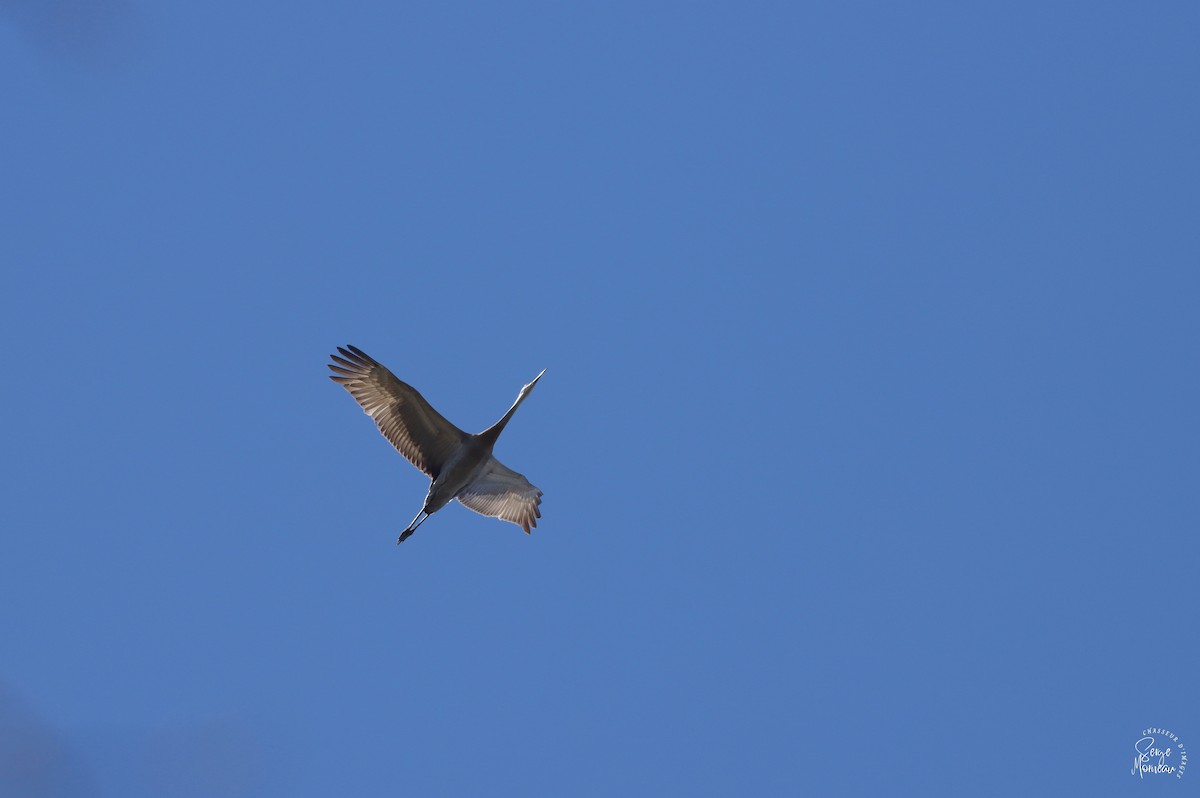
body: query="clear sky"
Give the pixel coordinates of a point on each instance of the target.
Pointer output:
(868, 435)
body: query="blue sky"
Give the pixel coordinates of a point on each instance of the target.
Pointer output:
(868, 435)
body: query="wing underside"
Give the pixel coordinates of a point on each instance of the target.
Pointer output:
(500, 492)
(410, 423)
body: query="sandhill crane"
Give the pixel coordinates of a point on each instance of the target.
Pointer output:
(460, 464)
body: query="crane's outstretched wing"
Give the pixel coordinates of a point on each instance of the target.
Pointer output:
(418, 432)
(503, 493)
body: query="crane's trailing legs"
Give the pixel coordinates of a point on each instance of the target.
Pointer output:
(412, 527)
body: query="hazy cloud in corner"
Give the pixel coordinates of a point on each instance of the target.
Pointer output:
(85, 31)
(35, 759)
(194, 760)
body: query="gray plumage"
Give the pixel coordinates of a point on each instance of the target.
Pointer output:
(460, 464)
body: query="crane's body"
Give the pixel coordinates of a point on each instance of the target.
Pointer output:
(459, 472)
(460, 464)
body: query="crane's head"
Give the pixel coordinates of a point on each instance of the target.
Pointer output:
(529, 387)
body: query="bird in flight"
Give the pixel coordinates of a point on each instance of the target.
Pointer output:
(460, 464)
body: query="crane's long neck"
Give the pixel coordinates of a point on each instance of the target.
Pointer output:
(493, 432)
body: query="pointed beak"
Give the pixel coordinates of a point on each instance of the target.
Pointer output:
(535, 379)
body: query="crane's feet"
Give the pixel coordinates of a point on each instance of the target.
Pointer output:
(405, 535)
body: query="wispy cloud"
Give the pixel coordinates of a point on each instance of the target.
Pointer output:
(85, 31)
(199, 759)
(36, 760)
